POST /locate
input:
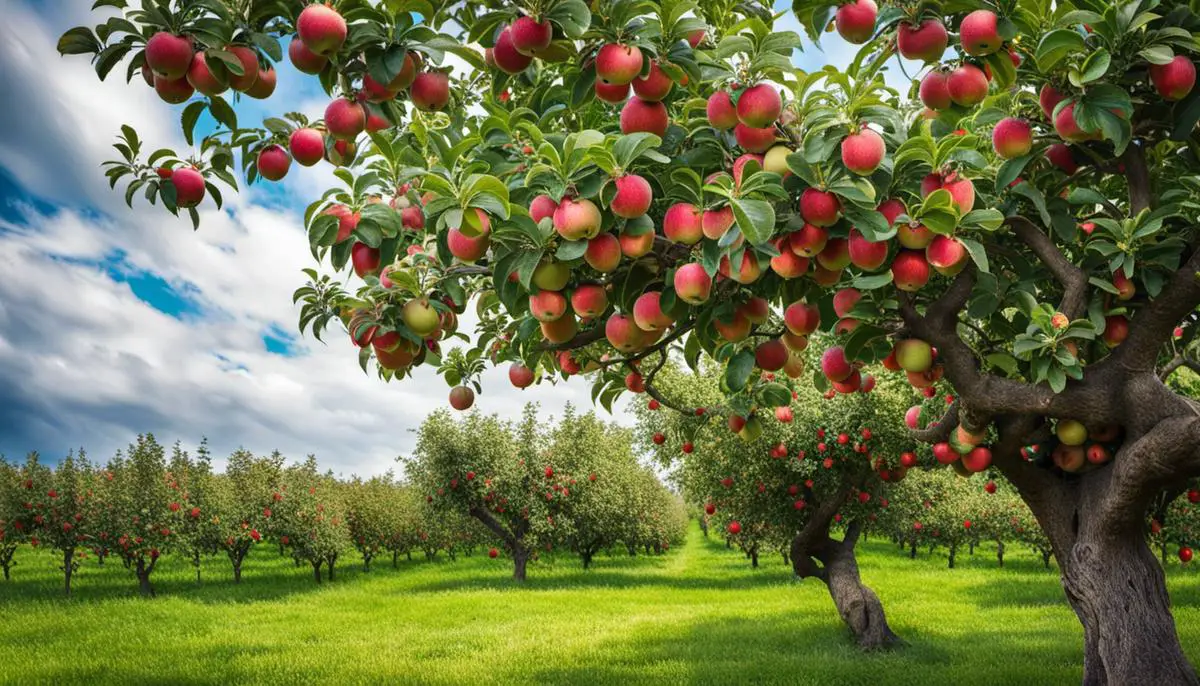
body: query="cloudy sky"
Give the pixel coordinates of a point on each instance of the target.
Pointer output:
(114, 322)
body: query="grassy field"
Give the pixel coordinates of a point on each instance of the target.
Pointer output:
(697, 615)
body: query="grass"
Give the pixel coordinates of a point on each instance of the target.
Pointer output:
(697, 615)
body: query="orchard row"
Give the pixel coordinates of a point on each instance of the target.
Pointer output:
(147, 502)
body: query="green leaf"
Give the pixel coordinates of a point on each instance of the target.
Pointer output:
(873, 281)
(78, 41)
(1011, 169)
(222, 112)
(1035, 196)
(1157, 54)
(1056, 45)
(774, 395)
(1094, 67)
(986, 220)
(570, 250)
(628, 148)
(191, 114)
(572, 16)
(976, 251)
(737, 372)
(755, 218)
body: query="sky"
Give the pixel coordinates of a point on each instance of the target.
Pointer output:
(115, 322)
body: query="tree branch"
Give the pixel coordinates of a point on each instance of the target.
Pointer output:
(1073, 279)
(938, 431)
(1138, 176)
(1165, 455)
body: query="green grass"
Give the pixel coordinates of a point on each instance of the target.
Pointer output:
(697, 615)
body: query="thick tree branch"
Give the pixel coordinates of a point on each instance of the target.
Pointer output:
(989, 395)
(1138, 176)
(481, 513)
(1167, 454)
(1073, 279)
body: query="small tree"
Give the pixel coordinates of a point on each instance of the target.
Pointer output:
(141, 502)
(194, 504)
(246, 500)
(314, 517)
(13, 515)
(373, 515)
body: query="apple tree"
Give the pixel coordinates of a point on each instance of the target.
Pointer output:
(140, 500)
(373, 514)
(311, 519)
(245, 504)
(788, 477)
(12, 513)
(1013, 225)
(193, 501)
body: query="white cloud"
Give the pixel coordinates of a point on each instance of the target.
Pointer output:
(84, 361)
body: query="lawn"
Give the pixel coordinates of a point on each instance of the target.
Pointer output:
(697, 615)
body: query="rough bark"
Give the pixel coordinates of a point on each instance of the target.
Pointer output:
(856, 603)
(1094, 518)
(316, 565)
(1000, 552)
(520, 558)
(143, 572)
(395, 559)
(953, 552)
(754, 557)
(912, 550)
(330, 562)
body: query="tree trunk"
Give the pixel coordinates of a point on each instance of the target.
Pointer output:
(704, 526)
(1000, 552)
(409, 554)
(587, 560)
(953, 553)
(196, 564)
(971, 548)
(316, 565)
(728, 543)
(1119, 593)
(1163, 552)
(1046, 558)
(143, 576)
(912, 551)
(330, 562)
(237, 572)
(395, 559)
(632, 549)
(520, 558)
(857, 604)
(754, 557)
(366, 562)
(786, 561)
(68, 568)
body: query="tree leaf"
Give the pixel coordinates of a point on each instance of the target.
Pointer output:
(737, 372)
(755, 218)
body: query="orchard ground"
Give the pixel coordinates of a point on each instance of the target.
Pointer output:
(698, 614)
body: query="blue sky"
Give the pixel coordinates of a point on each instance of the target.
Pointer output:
(114, 322)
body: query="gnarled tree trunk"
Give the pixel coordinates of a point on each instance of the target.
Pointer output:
(857, 604)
